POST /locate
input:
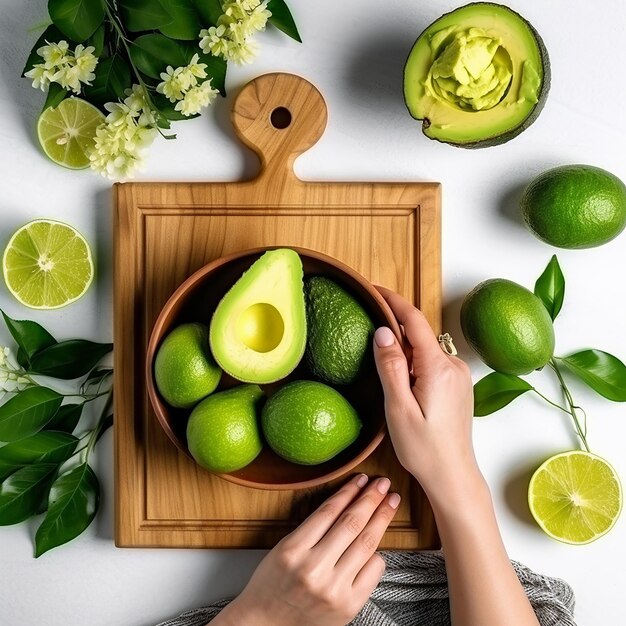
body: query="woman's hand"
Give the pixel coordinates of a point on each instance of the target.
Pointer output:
(429, 406)
(322, 573)
(428, 403)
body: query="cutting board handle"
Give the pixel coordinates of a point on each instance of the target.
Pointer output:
(279, 116)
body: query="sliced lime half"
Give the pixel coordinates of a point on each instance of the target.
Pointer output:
(47, 264)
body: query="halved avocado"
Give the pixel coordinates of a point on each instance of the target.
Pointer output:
(477, 77)
(258, 331)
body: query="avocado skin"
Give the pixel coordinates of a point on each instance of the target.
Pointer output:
(339, 341)
(497, 140)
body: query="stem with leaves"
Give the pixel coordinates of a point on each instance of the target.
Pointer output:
(122, 37)
(44, 465)
(100, 427)
(570, 403)
(600, 370)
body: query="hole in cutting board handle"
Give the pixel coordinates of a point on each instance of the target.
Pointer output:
(280, 118)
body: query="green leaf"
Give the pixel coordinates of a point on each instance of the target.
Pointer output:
(43, 447)
(72, 505)
(209, 11)
(6, 469)
(495, 391)
(216, 70)
(22, 359)
(56, 95)
(282, 19)
(29, 336)
(97, 376)
(28, 412)
(77, 19)
(153, 53)
(69, 359)
(185, 22)
(139, 15)
(22, 493)
(106, 424)
(97, 41)
(601, 371)
(112, 79)
(66, 418)
(550, 287)
(51, 34)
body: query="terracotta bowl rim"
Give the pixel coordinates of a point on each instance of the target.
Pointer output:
(156, 336)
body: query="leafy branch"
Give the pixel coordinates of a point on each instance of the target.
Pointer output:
(601, 371)
(44, 464)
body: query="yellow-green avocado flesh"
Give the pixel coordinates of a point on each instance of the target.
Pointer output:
(258, 331)
(477, 77)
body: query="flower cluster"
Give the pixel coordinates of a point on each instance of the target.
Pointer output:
(230, 39)
(121, 141)
(181, 85)
(11, 375)
(68, 68)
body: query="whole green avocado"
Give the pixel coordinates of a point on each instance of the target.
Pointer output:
(339, 341)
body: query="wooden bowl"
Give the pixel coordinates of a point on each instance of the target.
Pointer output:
(196, 299)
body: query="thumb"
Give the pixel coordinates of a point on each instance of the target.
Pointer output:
(393, 369)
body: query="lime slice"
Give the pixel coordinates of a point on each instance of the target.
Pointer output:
(47, 264)
(575, 497)
(66, 132)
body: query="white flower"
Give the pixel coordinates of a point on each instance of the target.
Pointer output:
(172, 86)
(11, 374)
(197, 98)
(249, 5)
(70, 69)
(215, 41)
(54, 54)
(177, 81)
(85, 59)
(233, 11)
(40, 76)
(196, 69)
(243, 53)
(4, 354)
(257, 20)
(69, 78)
(230, 39)
(122, 141)
(120, 149)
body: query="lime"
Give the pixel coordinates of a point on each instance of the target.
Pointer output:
(223, 432)
(184, 369)
(575, 206)
(308, 422)
(508, 326)
(47, 264)
(67, 132)
(575, 497)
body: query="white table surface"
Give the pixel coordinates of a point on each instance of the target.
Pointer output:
(355, 52)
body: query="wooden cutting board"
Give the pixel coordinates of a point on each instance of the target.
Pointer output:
(389, 232)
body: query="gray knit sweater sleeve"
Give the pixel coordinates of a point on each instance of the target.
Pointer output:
(414, 592)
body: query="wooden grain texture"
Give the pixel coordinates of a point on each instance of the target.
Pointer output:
(389, 232)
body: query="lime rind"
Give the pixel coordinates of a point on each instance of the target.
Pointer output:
(68, 280)
(553, 510)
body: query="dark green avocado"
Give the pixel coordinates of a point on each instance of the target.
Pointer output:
(477, 77)
(339, 341)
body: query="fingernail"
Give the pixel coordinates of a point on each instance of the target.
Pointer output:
(394, 500)
(384, 337)
(361, 481)
(383, 484)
